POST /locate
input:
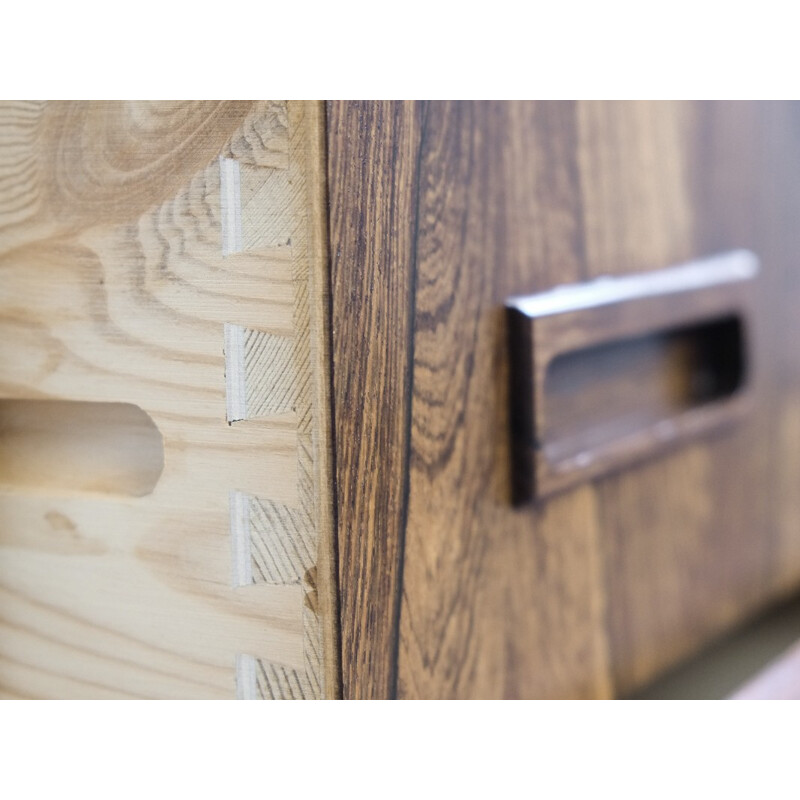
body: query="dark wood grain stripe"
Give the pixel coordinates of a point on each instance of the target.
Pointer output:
(373, 151)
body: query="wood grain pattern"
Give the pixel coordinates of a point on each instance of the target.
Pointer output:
(372, 189)
(471, 611)
(657, 520)
(133, 236)
(172, 257)
(690, 542)
(471, 615)
(614, 581)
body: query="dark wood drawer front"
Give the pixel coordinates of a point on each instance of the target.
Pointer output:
(439, 212)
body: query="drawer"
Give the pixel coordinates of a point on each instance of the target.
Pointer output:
(439, 213)
(257, 385)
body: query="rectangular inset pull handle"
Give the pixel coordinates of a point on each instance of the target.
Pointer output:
(611, 371)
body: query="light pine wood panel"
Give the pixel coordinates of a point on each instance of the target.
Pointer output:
(170, 256)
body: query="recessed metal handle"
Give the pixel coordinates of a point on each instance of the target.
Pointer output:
(618, 369)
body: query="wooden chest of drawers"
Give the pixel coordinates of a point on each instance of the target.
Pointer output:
(254, 397)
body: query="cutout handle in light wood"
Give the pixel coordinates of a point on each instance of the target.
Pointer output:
(54, 446)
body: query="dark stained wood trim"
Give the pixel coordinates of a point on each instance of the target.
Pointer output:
(373, 150)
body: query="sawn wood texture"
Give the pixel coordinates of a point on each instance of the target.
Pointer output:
(171, 257)
(438, 212)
